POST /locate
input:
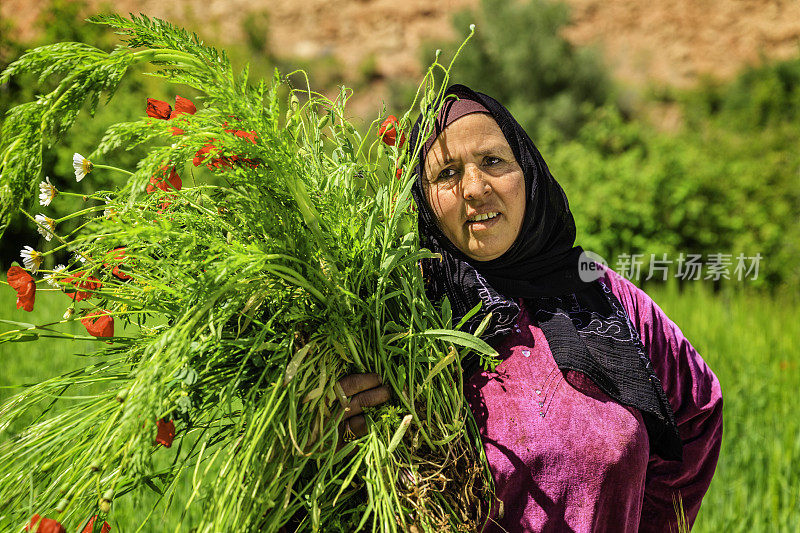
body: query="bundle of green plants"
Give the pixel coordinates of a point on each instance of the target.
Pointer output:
(259, 252)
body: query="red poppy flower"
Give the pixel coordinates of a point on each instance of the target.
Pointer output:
(163, 111)
(199, 156)
(166, 432)
(118, 257)
(165, 183)
(90, 524)
(183, 106)
(214, 163)
(99, 324)
(46, 525)
(81, 281)
(398, 173)
(23, 283)
(168, 180)
(388, 131)
(249, 135)
(158, 109)
(225, 161)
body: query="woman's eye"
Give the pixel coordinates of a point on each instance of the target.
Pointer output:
(489, 160)
(446, 174)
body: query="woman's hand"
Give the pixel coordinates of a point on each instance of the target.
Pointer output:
(358, 391)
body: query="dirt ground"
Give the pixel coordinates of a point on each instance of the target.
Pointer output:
(669, 42)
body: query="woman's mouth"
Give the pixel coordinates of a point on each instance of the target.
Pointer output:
(483, 220)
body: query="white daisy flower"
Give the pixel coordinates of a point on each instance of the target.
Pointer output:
(48, 191)
(81, 165)
(52, 277)
(46, 226)
(31, 259)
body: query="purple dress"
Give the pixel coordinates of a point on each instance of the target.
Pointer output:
(565, 457)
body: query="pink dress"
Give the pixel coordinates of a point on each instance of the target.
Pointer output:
(565, 457)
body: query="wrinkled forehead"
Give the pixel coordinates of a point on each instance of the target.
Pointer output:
(452, 110)
(473, 135)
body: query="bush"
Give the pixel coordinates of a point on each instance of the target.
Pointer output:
(519, 57)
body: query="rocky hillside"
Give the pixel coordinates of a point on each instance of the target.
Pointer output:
(673, 42)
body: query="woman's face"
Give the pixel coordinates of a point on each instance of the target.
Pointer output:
(475, 187)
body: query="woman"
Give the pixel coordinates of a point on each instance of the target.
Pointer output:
(601, 412)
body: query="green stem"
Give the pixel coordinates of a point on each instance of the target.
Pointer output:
(175, 56)
(65, 193)
(109, 167)
(81, 212)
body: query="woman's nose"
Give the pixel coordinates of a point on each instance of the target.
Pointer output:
(474, 183)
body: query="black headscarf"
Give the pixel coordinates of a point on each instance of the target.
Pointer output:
(584, 323)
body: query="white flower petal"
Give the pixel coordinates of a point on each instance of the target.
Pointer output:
(46, 226)
(48, 191)
(81, 165)
(31, 259)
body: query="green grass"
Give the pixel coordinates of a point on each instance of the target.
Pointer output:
(749, 340)
(32, 362)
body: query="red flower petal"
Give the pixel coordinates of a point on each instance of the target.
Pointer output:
(158, 109)
(80, 281)
(118, 257)
(90, 524)
(26, 298)
(164, 182)
(214, 163)
(166, 433)
(118, 273)
(35, 518)
(99, 324)
(398, 173)
(18, 278)
(176, 131)
(225, 161)
(198, 156)
(249, 135)
(183, 106)
(175, 180)
(23, 283)
(388, 131)
(46, 525)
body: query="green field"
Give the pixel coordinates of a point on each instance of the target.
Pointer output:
(749, 340)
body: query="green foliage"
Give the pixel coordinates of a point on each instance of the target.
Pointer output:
(61, 20)
(519, 57)
(245, 297)
(761, 97)
(636, 191)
